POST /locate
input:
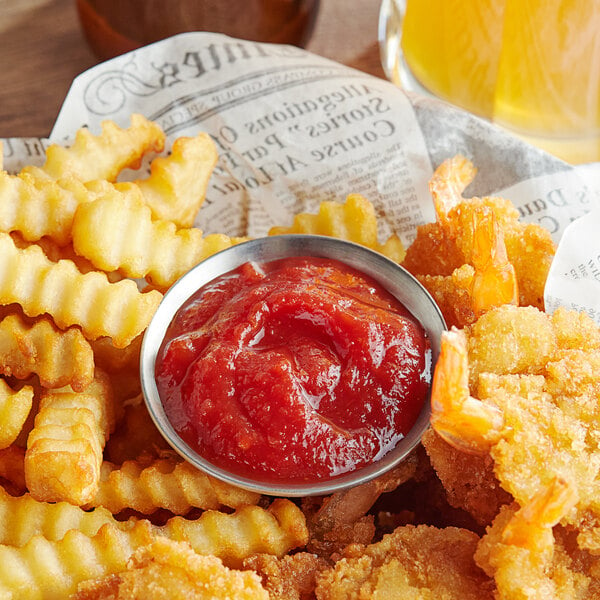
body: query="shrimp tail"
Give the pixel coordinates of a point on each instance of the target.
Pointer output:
(448, 183)
(463, 421)
(495, 280)
(530, 527)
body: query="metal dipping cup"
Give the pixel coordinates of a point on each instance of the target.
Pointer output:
(399, 282)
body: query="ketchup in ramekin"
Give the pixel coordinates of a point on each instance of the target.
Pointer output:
(295, 370)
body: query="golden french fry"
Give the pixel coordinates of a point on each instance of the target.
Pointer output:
(177, 184)
(45, 570)
(250, 530)
(116, 232)
(103, 156)
(64, 449)
(14, 409)
(55, 252)
(169, 483)
(117, 310)
(168, 569)
(354, 220)
(53, 569)
(40, 207)
(23, 517)
(58, 357)
(282, 525)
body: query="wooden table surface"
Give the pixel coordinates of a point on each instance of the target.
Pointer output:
(42, 49)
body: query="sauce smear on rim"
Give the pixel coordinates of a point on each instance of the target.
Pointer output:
(297, 370)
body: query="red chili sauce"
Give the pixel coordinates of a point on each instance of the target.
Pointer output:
(296, 370)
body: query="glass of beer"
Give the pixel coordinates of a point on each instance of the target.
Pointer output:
(113, 27)
(532, 66)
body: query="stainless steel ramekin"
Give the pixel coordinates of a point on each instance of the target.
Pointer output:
(395, 279)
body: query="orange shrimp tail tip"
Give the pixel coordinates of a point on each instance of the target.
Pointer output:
(495, 280)
(474, 431)
(545, 510)
(448, 183)
(464, 422)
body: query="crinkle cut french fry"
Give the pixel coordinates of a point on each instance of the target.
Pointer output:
(55, 252)
(23, 517)
(103, 156)
(64, 448)
(168, 483)
(51, 570)
(354, 220)
(177, 184)
(117, 310)
(43, 569)
(14, 409)
(40, 207)
(250, 530)
(57, 357)
(116, 232)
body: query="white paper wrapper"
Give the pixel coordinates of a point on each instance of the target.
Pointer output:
(293, 129)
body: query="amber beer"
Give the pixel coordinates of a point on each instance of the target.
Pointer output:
(113, 27)
(530, 65)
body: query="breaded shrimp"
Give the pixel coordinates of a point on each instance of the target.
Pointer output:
(477, 253)
(420, 562)
(523, 555)
(532, 403)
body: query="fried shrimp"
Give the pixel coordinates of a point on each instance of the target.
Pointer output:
(529, 526)
(460, 419)
(539, 377)
(522, 553)
(477, 254)
(468, 479)
(413, 562)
